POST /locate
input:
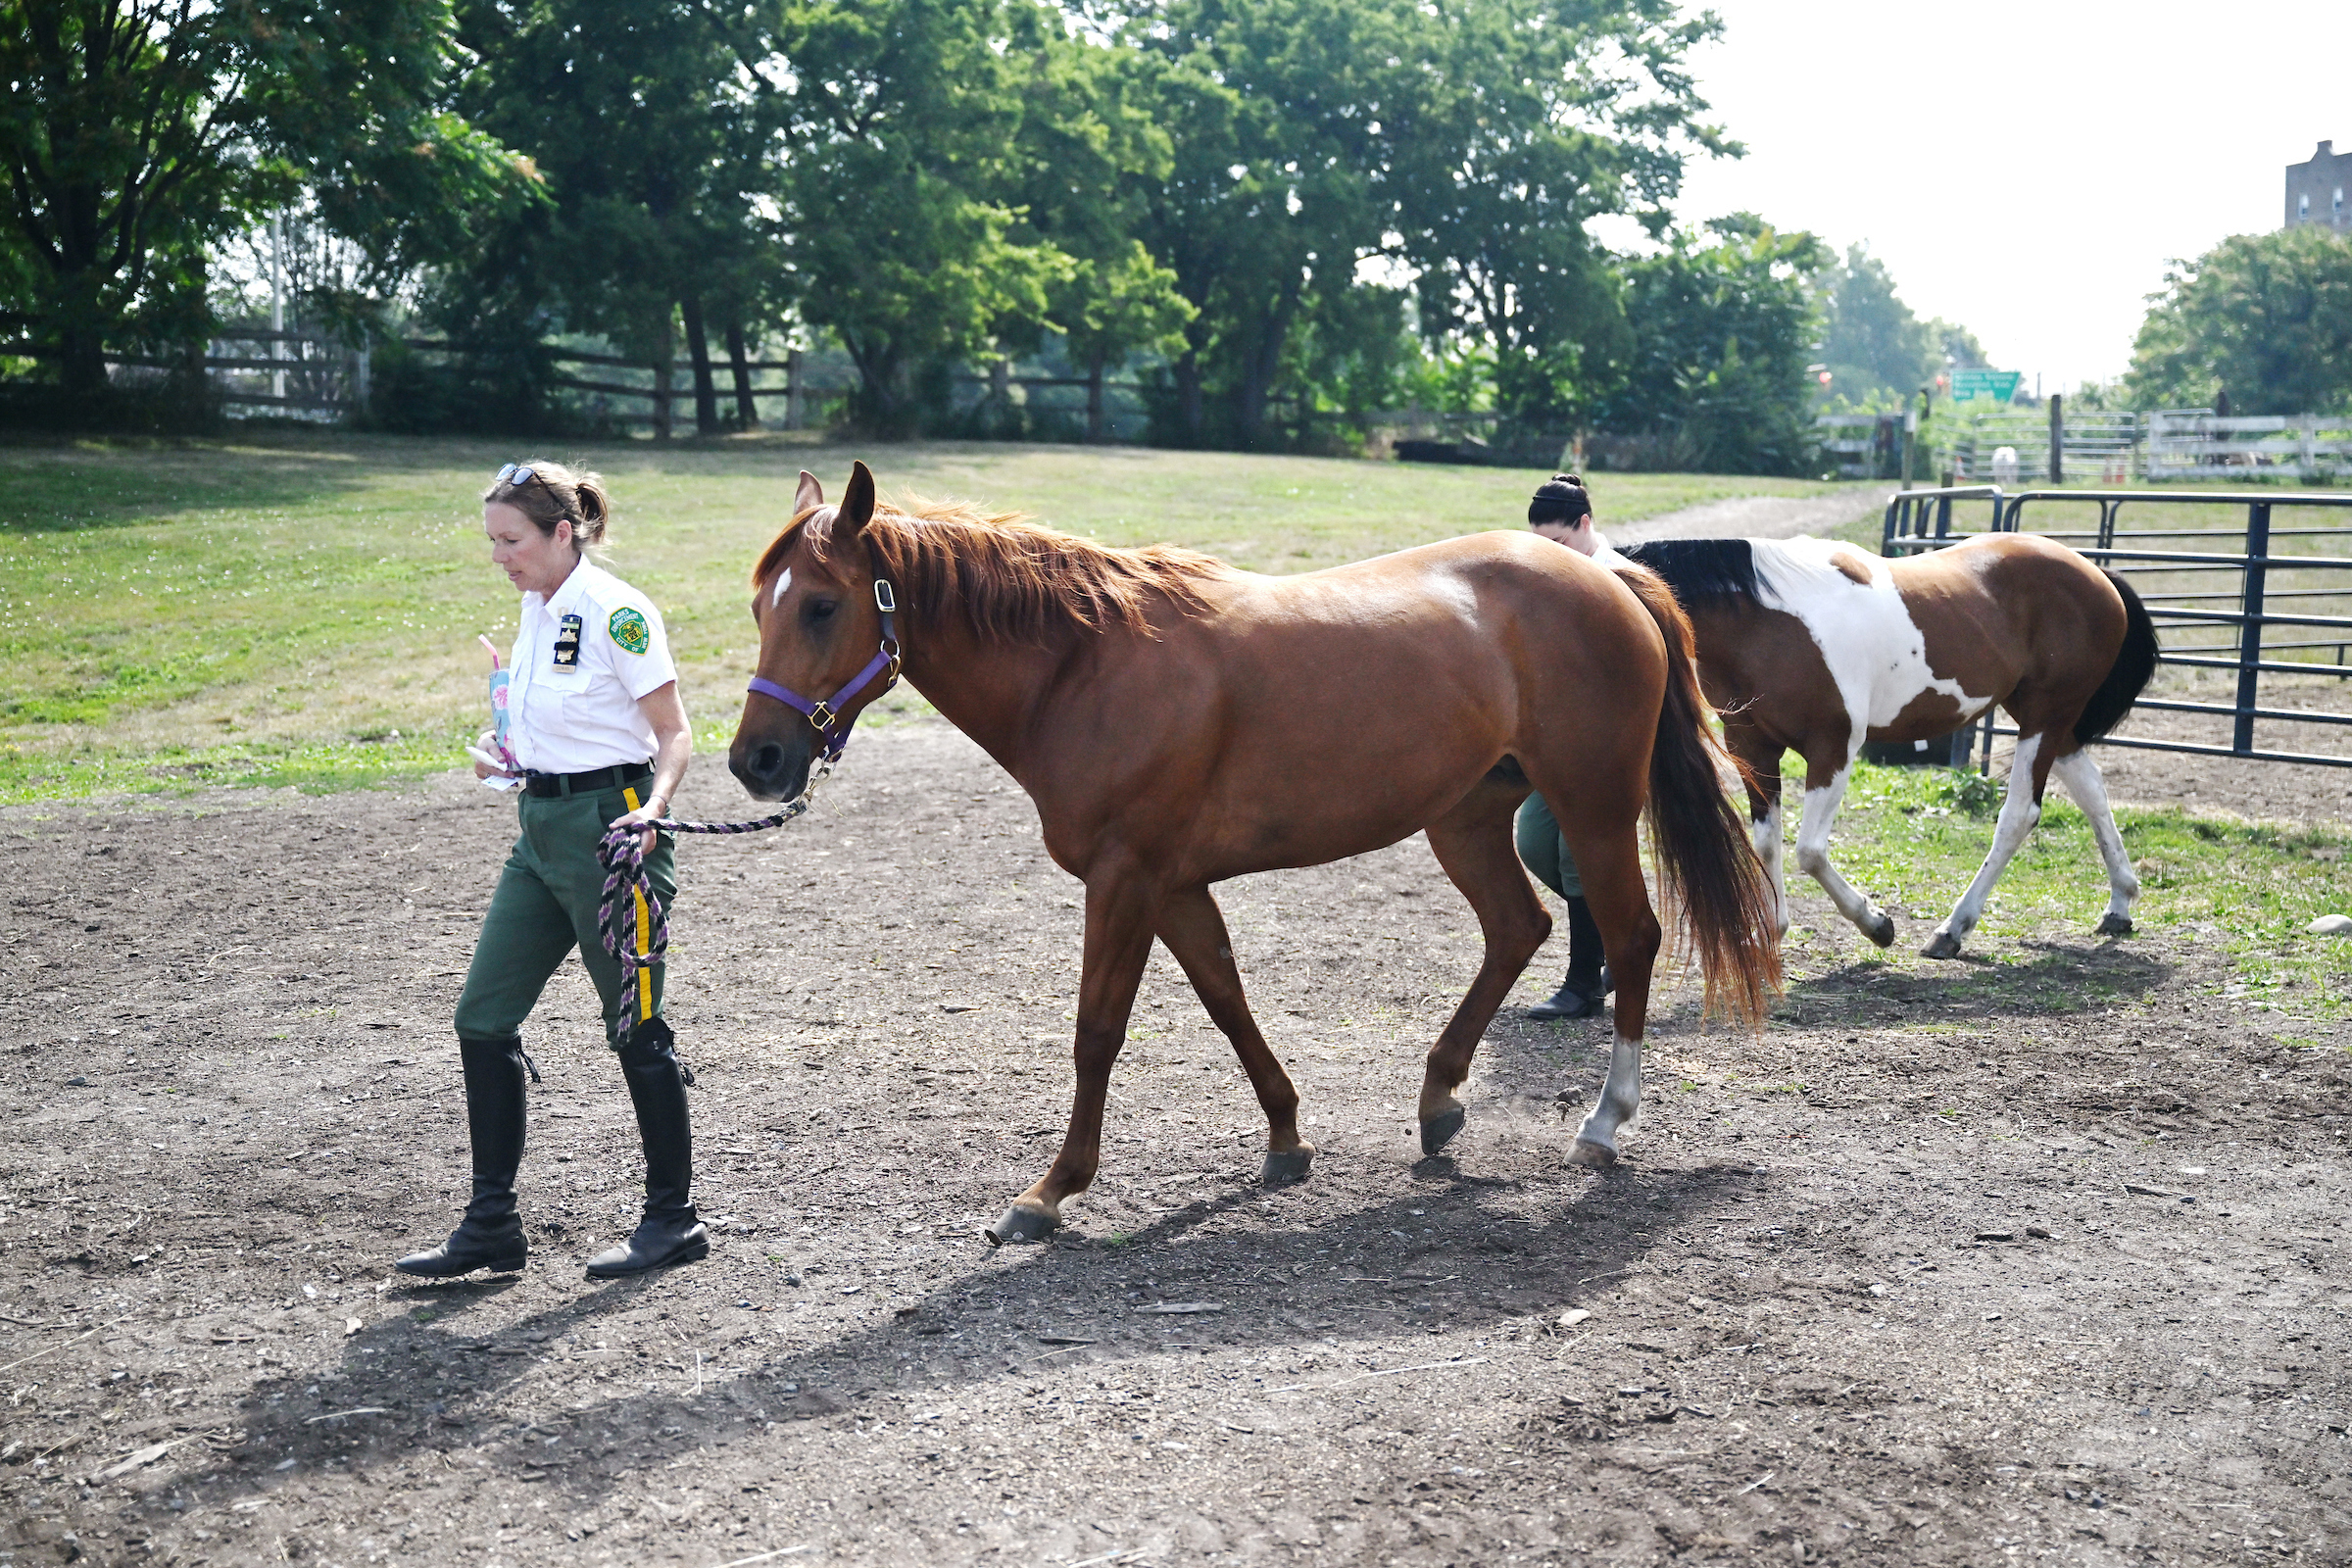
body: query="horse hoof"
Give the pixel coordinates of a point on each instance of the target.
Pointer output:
(1439, 1130)
(1945, 945)
(1285, 1166)
(1591, 1156)
(2116, 925)
(1022, 1223)
(1881, 930)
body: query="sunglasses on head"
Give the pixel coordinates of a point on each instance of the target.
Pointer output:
(516, 473)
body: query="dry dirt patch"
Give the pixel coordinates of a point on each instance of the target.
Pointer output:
(2033, 1258)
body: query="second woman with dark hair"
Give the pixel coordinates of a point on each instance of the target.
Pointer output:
(599, 740)
(1561, 511)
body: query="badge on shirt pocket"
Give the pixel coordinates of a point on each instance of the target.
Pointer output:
(567, 643)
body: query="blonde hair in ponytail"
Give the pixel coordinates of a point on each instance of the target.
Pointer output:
(556, 493)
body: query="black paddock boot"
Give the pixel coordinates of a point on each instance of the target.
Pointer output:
(1579, 995)
(490, 1235)
(670, 1232)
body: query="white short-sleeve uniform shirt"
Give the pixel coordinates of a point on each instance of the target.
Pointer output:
(1605, 554)
(582, 657)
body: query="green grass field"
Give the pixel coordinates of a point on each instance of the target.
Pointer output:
(301, 609)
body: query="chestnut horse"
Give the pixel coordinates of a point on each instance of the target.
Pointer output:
(1178, 723)
(1812, 646)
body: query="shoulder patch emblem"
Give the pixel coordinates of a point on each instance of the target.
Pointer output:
(630, 630)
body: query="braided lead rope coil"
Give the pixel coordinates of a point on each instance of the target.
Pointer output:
(621, 852)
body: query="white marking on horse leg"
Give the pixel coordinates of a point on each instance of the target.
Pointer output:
(783, 581)
(2019, 813)
(1813, 855)
(2083, 780)
(1614, 1111)
(1770, 839)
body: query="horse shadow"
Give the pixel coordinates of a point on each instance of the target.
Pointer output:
(2061, 978)
(1304, 1295)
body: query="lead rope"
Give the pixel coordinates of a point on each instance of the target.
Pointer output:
(621, 852)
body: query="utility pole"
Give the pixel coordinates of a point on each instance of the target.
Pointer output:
(2057, 439)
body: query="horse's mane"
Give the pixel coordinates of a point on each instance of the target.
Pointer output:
(1702, 572)
(1011, 579)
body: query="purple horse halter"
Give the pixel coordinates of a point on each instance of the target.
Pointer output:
(826, 714)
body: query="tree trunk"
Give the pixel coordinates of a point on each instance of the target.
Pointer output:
(1188, 397)
(81, 361)
(1260, 368)
(705, 387)
(663, 366)
(1097, 426)
(747, 411)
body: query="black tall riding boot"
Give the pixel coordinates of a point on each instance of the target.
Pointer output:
(1579, 995)
(671, 1231)
(490, 1235)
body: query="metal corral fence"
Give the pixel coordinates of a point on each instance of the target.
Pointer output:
(2251, 611)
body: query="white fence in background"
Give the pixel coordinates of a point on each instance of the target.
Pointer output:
(2198, 444)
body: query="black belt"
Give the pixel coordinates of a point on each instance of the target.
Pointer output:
(619, 776)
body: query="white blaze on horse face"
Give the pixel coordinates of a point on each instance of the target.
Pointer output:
(1875, 653)
(783, 581)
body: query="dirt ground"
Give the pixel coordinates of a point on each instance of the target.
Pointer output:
(1972, 1264)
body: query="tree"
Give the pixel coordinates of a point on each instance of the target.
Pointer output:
(1722, 332)
(2264, 317)
(1530, 121)
(651, 142)
(1468, 141)
(137, 131)
(915, 133)
(1875, 348)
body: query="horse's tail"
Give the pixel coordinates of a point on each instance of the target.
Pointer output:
(2129, 675)
(1707, 869)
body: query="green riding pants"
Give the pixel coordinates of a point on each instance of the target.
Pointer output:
(1543, 852)
(546, 906)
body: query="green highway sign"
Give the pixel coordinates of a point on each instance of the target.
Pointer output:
(1999, 385)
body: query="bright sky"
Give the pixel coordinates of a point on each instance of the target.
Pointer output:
(2026, 169)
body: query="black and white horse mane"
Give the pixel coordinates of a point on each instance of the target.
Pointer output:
(1702, 572)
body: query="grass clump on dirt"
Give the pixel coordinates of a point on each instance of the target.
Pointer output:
(1912, 838)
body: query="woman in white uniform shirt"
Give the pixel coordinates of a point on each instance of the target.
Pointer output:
(600, 739)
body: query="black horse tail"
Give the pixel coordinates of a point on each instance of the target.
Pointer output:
(1707, 865)
(2129, 675)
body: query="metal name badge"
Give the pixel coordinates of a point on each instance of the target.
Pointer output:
(567, 643)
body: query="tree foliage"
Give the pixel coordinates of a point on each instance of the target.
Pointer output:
(1721, 331)
(2266, 318)
(136, 133)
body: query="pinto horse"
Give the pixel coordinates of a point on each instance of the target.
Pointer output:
(1177, 723)
(1811, 646)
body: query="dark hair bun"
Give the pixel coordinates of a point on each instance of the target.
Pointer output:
(1559, 499)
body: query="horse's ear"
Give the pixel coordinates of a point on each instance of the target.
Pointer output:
(856, 508)
(809, 496)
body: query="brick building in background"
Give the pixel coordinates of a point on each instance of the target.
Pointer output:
(2314, 190)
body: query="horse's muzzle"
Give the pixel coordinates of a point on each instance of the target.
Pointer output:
(772, 767)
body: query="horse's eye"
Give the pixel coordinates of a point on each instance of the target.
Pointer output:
(821, 608)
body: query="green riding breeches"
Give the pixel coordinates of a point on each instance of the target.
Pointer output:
(545, 906)
(1543, 852)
